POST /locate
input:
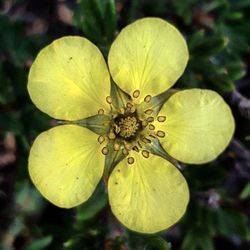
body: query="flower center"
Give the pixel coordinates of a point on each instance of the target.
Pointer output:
(130, 130)
(127, 126)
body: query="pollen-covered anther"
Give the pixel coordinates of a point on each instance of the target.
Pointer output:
(160, 133)
(150, 119)
(129, 105)
(151, 127)
(100, 111)
(111, 135)
(125, 151)
(130, 160)
(105, 150)
(147, 99)
(109, 99)
(116, 146)
(101, 139)
(145, 153)
(161, 118)
(148, 111)
(145, 140)
(136, 93)
(144, 123)
(135, 148)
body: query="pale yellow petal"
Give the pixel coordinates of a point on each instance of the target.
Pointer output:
(150, 55)
(199, 125)
(69, 79)
(66, 164)
(148, 196)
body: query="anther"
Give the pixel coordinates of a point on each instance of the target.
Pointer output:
(152, 136)
(117, 128)
(144, 123)
(135, 148)
(139, 144)
(160, 133)
(151, 127)
(145, 153)
(125, 152)
(161, 118)
(147, 98)
(131, 160)
(111, 136)
(148, 111)
(105, 151)
(136, 93)
(100, 111)
(132, 109)
(145, 140)
(129, 105)
(109, 99)
(150, 119)
(116, 146)
(101, 139)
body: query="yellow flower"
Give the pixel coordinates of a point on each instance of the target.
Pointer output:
(70, 81)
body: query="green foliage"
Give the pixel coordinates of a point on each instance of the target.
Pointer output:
(97, 19)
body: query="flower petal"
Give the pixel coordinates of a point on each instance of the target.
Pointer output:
(149, 195)
(199, 125)
(149, 54)
(66, 164)
(69, 79)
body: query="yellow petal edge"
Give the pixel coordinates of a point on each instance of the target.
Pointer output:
(65, 165)
(150, 55)
(148, 196)
(69, 79)
(199, 125)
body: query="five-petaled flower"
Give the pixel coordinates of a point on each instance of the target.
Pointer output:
(70, 81)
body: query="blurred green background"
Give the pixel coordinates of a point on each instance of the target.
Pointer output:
(218, 37)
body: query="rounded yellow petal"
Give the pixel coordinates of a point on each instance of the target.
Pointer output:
(199, 125)
(66, 164)
(149, 55)
(69, 79)
(149, 195)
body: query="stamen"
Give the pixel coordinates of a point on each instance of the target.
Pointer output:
(129, 105)
(100, 111)
(117, 128)
(147, 98)
(125, 152)
(160, 133)
(109, 99)
(131, 160)
(161, 118)
(132, 110)
(139, 144)
(151, 127)
(101, 139)
(105, 151)
(135, 148)
(144, 123)
(111, 136)
(152, 136)
(148, 111)
(150, 119)
(145, 153)
(145, 140)
(117, 146)
(136, 93)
